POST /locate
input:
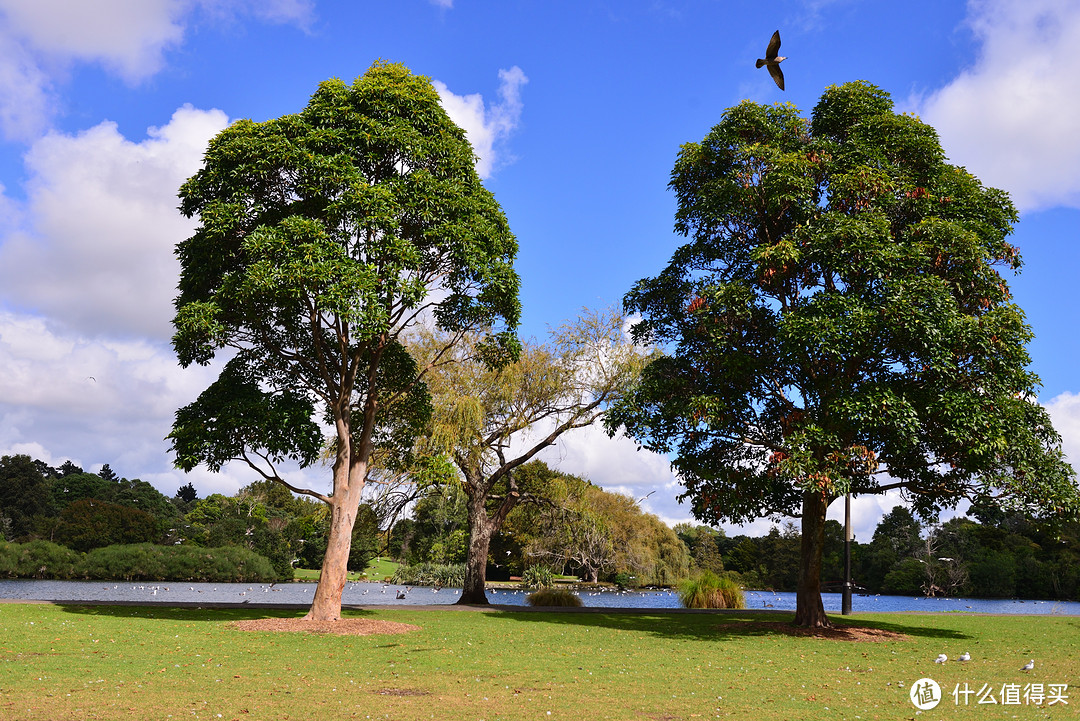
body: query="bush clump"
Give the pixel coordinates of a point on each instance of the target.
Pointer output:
(135, 562)
(538, 577)
(711, 591)
(553, 597)
(430, 574)
(38, 559)
(147, 562)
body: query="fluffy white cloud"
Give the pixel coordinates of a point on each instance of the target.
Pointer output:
(63, 396)
(39, 40)
(127, 36)
(487, 126)
(95, 249)
(1011, 117)
(1065, 413)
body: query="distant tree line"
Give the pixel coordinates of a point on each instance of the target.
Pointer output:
(568, 526)
(86, 511)
(991, 554)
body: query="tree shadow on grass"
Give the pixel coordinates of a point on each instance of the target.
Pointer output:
(204, 612)
(721, 625)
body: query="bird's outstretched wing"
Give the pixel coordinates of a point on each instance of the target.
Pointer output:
(777, 74)
(774, 47)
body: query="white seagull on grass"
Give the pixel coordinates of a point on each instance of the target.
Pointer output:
(942, 658)
(1029, 665)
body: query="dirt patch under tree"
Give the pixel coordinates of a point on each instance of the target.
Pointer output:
(836, 633)
(343, 626)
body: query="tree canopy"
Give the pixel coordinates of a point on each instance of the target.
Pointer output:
(837, 322)
(323, 237)
(489, 422)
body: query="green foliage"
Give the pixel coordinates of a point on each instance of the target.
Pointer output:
(483, 409)
(840, 297)
(430, 574)
(538, 577)
(89, 523)
(136, 562)
(146, 562)
(322, 238)
(709, 590)
(596, 533)
(839, 313)
(438, 530)
(554, 597)
(365, 539)
(24, 494)
(38, 559)
(354, 206)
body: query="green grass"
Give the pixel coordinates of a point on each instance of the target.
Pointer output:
(59, 663)
(377, 570)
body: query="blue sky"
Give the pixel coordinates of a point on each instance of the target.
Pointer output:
(577, 111)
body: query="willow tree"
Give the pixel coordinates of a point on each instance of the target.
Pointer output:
(490, 421)
(837, 323)
(324, 237)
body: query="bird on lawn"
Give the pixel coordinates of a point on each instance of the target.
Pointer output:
(965, 656)
(772, 60)
(1028, 666)
(942, 658)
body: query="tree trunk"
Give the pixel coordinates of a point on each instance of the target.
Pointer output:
(809, 610)
(481, 529)
(327, 603)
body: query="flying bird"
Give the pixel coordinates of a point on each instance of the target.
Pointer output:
(942, 658)
(772, 60)
(965, 656)
(1028, 666)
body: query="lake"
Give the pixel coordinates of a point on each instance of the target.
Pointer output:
(376, 594)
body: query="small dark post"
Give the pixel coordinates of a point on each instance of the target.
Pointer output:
(845, 607)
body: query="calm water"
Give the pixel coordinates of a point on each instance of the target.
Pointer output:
(375, 594)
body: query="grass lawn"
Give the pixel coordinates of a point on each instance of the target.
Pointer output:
(98, 662)
(377, 570)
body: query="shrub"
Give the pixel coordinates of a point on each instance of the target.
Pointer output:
(538, 577)
(430, 574)
(553, 597)
(132, 562)
(711, 591)
(38, 559)
(135, 562)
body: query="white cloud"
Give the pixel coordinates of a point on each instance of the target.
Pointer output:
(25, 101)
(448, 4)
(63, 396)
(1064, 411)
(1011, 117)
(40, 40)
(95, 250)
(91, 401)
(127, 36)
(487, 127)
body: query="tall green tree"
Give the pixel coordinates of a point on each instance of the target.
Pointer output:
(837, 322)
(323, 238)
(24, 494)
